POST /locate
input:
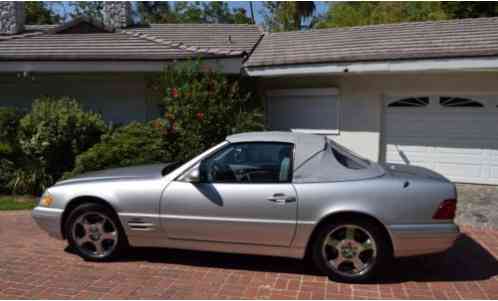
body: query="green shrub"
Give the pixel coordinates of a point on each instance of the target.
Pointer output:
(51, 135)
(7, 169)
(133, 144)
(9, 124)
(9, 147)
(203, 107)
(30, 178)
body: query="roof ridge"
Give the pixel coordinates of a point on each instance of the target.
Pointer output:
(207, 24)
(57, 28)
(78, 20)
(180, 45)
(20, 36)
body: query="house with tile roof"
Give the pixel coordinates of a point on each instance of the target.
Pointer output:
(422, 93)
(105, 65)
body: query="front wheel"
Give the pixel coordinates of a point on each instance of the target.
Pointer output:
(351, 250)
(94, 232)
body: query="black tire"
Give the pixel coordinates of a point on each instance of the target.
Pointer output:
(382, 244)
(94, 210)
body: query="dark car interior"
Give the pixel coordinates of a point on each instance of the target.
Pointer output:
(250, 163)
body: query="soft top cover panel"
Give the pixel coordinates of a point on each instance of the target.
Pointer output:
(335, 163)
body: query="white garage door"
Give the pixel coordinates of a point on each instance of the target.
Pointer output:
(455, 136)
(303, 110)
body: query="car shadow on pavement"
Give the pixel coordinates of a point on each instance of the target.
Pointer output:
(467, 260)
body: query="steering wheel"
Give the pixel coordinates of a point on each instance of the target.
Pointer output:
(243, 175)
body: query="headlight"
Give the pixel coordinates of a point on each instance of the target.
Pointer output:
(46, 200)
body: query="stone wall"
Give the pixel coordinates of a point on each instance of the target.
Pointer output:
(117, 14)
(12, 17)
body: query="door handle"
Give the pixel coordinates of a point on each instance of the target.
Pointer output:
(280, 198)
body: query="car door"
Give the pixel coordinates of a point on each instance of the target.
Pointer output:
(244, 195)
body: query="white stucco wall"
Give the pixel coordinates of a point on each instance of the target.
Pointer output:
(362, 99)
(120, 98)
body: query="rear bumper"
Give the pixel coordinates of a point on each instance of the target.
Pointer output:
(49, 219)
(410, 240)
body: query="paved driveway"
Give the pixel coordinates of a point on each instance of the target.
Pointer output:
(35, 266)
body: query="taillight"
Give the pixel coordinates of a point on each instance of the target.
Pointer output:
(446, 210)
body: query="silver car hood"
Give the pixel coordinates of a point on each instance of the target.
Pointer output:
(411, 171)
(150, 171)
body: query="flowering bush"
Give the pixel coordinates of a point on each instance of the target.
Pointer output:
(202, 107)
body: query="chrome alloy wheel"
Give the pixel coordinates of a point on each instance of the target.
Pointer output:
(349, 250)
(95, 234)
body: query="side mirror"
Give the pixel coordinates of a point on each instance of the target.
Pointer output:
(194, 176)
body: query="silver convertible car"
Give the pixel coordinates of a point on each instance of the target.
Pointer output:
(267, 193)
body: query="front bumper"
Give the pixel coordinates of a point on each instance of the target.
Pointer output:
(49, 219)
(411, 240)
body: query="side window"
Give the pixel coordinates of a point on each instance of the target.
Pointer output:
(256, 162)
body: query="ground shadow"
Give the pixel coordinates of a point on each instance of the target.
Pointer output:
(467, 260)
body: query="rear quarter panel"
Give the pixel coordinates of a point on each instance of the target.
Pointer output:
(391, 200)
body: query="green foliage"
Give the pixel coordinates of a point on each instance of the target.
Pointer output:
(37, 12)
(133, 144)
(9, 124)
(468, 9)
(203, 107)
(7, 170)
(368, 13)
(30, 177)
(9, 147)
(219, 12)
(190, 12)
(155, 12)
(286, 15)
(51, 136)
(91, 9)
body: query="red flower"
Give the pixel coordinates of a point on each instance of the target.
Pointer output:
(199, 116)
(174, 92)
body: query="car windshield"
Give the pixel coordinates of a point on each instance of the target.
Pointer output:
(348, 158)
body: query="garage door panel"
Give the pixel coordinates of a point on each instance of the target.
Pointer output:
(439, 130)
(460, 144)
(460, 170)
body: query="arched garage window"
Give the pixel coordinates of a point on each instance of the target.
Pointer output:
(410, 102)
(458, 102)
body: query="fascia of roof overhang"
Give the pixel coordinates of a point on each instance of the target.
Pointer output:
(230, 65)
(399, 66)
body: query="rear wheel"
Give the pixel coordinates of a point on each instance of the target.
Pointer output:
(94, 232)
(351, 250)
